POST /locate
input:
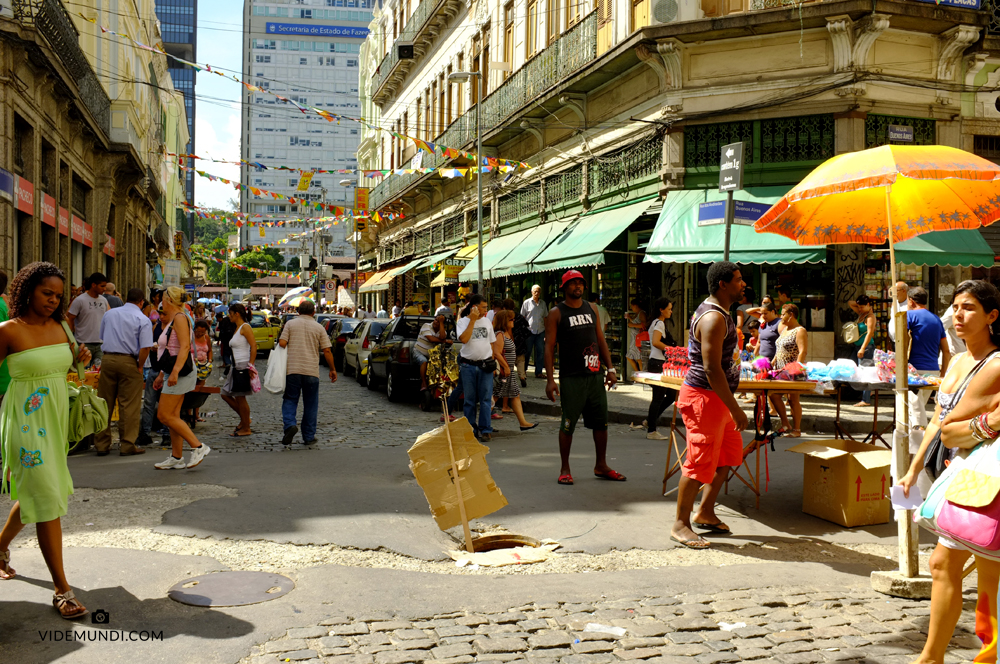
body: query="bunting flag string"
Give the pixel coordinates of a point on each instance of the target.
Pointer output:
(255, 270)
(241, 219)
(427, 146)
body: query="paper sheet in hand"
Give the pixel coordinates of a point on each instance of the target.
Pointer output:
(901, 502)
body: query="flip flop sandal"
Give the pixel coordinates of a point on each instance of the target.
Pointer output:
(566, 479)
(794, 433)
(716, 528)
(612, 475)
(5, 567)
(696, 544)
(529, 427)
(68, 601)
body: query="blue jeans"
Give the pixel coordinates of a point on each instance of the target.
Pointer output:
(866, 396)
(150, 398)
(536, 347)
(478, 387)
(309, 387)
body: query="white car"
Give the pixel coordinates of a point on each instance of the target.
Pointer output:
(359, 345)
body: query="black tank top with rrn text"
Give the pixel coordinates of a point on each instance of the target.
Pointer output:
(696, 376)
(579, 354)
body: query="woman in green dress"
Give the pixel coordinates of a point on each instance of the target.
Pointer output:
(34, 421)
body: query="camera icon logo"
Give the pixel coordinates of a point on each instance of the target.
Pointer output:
(100, 617)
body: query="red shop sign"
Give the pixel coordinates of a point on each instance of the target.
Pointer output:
(24, 193)
(88, 235)
(48, 210)
(109, 245)
(63, 221)
(76, 229)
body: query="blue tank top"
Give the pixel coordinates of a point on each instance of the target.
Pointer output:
(696, 376)
(768, 339)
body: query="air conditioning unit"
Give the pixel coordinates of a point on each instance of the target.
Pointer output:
(672, 11)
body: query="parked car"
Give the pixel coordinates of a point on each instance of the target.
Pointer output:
(265, 333)
(341, 329)
(391, 360)
(359, 344)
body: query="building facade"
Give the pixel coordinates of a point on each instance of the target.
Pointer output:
(621, 109)
(85, 170)
(308, 51)
(178, 25)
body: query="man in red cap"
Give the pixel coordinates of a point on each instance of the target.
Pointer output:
(575, 326)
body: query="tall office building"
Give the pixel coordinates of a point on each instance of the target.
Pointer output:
(178, 25)
(307, 51)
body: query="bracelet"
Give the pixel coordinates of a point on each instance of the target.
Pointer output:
(983, 428)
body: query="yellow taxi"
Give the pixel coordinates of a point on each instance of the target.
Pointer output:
(264, 331)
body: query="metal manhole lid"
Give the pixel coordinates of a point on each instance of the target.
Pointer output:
(231, 588)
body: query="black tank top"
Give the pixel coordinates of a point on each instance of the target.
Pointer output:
(696, 376)
(579, 354)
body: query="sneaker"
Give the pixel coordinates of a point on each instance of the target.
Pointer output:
(171, 463)
(289, 434)
(524, 382)
(198, 454)
(656, 435)
(485, 438)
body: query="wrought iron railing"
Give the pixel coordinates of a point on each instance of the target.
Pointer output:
(776, 4)
(571, 52)
(54, 24)
(992, 8)
(413, 26)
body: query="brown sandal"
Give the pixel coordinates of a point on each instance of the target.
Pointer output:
(6, 571)
(68, 605)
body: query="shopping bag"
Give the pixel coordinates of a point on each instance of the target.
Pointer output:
(274, 377)
(254, 379)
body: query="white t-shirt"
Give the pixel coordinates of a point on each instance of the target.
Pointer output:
(654, 352)
(89, 312)
(423, 344)
(480, 344)
(490, 314)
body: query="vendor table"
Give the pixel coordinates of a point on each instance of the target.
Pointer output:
(762, 424)
(876, 433)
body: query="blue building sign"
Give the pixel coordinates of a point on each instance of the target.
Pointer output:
(6, 185)
(964, 4)
(306, 30)
(900, 134)
(747, 213)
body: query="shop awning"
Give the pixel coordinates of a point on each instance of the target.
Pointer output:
(678, 238)
(583, 241)
(469, 252)
(436, 258)
(519, 260)
(376, 282)
(406, 268)
(958, 248)
(493, 254)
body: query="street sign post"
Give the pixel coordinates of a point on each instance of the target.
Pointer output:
(730, 179)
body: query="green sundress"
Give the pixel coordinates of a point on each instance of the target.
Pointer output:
(33, 426)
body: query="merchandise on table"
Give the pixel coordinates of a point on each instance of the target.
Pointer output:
(676, 361)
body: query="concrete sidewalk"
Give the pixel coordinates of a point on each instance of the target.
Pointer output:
(628, 403)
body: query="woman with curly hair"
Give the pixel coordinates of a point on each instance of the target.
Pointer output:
(34, 421)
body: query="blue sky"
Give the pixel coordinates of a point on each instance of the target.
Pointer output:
(217, 130)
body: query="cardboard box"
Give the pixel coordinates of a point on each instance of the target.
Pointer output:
(846, 482)
(431, 466)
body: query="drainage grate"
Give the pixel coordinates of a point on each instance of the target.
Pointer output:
(231, 589)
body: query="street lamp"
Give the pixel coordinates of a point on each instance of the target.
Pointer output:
(461, 76)
(357, 242)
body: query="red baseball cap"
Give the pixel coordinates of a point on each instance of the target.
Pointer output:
(570, 275)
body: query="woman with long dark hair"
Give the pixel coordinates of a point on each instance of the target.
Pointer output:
(659, 340)
(976, 307)
(237, 388)
(476, 365)
(35, 419)
(867, 324)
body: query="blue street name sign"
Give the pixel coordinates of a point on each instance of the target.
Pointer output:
(714, 212)
(305, 30)
(901, 133)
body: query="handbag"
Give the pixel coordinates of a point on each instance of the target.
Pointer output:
(88, 413)
(165, 362)
(254, 379)
(851, 332)
(937, 455)
(639, 338)
(241, 380)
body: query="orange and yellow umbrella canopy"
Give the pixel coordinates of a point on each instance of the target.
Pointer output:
(911, 189)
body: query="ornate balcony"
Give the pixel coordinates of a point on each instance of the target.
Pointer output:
(54, 24)
(571, 52)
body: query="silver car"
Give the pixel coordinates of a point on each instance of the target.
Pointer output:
(359, 345)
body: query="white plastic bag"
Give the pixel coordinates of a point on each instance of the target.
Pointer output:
(274, 378)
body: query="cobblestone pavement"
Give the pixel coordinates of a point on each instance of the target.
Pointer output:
(786, 625)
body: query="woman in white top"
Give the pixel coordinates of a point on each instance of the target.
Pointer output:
(659, 339)
(244, 348)
(476, 365)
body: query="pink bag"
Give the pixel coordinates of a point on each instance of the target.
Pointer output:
(979, 526)
(254, 379)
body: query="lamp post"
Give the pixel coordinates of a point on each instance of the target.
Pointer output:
(465, 76)
(357, 241)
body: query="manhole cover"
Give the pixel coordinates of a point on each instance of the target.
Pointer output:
(507, 541)
(231, 589)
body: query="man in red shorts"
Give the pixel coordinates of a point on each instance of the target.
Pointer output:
(712, 417)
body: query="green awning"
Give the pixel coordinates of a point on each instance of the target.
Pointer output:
(678, 238)
(436, 258)
(959, 248)
(585, 239)
(519, 260)
(493, 252)
(406, 268)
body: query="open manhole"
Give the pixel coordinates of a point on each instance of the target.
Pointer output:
(506, 541)
(231, 589)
